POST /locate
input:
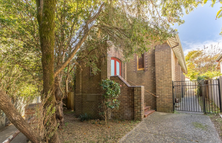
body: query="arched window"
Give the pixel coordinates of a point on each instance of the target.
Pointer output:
(115, 67)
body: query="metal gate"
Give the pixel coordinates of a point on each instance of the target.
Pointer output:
(197, 96)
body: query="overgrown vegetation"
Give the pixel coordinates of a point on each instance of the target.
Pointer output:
(109, 98)
(210, 106)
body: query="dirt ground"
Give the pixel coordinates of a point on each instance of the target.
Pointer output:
(93, 131)
(217, 120)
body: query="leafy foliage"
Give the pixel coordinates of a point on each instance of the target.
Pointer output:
(16, 79)
(219, 13)
(203, 77)
(85, 117)
(202, 62)
(112, 91)
(110, 97)
(130, 25)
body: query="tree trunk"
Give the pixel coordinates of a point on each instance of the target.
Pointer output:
(67, 85)
(15, 117)
(59, 104)
(46, 17)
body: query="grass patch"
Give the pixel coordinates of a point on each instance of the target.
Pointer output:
(175, 112)
(199, 125)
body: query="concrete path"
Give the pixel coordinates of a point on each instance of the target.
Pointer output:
(173, 128)
(9, 130)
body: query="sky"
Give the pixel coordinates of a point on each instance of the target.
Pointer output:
(200, 28)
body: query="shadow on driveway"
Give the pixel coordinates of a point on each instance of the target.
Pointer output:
(173, 128)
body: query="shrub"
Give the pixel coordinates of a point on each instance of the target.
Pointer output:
(84, 117)
(109, 98)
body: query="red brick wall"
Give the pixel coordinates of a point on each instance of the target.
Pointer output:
(88, 91)
(177, 71)
(126, 98)
(178, 75)
(173, 65)
(144, 77)
(138, 103)
(131, 101)
(163, 72)
(182, 76)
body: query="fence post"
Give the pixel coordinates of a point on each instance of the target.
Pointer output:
(219, 95)
(203, 86)
(173, 96)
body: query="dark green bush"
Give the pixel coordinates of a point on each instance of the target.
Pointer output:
(109, 98)
(84, 117)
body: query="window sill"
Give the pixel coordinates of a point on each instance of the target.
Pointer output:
(140, 69)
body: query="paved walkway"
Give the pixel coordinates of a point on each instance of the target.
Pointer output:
(173, 128)
(9, 130)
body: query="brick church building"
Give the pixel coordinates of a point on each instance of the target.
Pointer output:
(146, 81)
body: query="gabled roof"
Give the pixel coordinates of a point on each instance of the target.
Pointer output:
(219, 58)
(175, 44)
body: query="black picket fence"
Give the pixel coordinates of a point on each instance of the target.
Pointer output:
(197, 96)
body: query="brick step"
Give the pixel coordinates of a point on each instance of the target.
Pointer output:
(147, 113)
(147, 108)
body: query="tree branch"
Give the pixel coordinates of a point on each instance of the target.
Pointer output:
(39, 4)
(14, 116)
(86, 33)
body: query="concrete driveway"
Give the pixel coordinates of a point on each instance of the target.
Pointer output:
(10, 130)
(173, 128)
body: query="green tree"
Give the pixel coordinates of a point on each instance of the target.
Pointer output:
(19, 82)
(203, 62)
(58, 30)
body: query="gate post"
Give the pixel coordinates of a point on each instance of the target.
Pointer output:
(173, 96)
(182, 91)
(219, 95)
(203, 95)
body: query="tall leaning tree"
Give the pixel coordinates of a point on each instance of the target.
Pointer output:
(46, 20)
(67, 26)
